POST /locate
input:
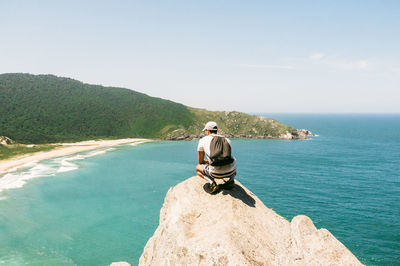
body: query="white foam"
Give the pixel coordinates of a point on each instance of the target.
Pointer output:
(74, 157)
(27, 165)
(137, 143)
(18, 176)
(98, 152)
(12, 259)
(66, 162)
(67, 237)
(67, 166)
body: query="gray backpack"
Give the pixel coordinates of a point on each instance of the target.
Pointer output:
(220, 151)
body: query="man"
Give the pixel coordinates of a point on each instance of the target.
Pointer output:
(209, 172)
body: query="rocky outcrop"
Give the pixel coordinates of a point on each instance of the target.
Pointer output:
(302, 134)
(5, 140)
(297, 134)
(234, 227)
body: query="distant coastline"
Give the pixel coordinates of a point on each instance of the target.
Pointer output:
(64, 149)
(296, 134)
(45, 109)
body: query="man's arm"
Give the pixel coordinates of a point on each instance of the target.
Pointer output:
(201, 158)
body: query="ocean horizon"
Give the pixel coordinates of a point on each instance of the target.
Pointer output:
(96, 207)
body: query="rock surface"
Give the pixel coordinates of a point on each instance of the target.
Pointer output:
(5, 140)
(234, 227)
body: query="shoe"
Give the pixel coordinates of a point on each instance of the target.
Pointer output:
(228, 185)
(211, 188)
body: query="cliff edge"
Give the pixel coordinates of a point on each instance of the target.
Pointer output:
(234, 227)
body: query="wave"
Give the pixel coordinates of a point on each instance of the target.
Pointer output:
(67, 162)
(137, 143)
(98, 152)
(19, 176)
(67, 166)
(24, 166)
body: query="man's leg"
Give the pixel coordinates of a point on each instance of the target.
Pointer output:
(200, 170)
(210, 187)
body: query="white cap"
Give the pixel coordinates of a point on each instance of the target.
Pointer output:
(211, 126)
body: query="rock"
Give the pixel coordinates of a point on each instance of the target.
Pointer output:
(6, 140)
(234, 227)
(302, 134)
(287, 135)
(298, 134)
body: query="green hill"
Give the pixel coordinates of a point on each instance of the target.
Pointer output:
(234, 124)
(47, 109)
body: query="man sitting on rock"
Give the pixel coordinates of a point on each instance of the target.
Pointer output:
(220, 165)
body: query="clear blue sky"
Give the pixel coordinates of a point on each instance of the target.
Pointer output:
(252, 56)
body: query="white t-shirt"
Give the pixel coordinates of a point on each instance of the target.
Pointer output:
(204, 145)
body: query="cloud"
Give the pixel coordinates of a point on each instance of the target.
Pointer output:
(396, 69)
(317, 56)
(349, 64)
(363, 64)
(265, 66)
(339, 63)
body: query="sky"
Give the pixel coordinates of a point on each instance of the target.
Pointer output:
(250, 56)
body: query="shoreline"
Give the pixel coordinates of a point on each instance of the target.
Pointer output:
(298, 134)
(64, 149)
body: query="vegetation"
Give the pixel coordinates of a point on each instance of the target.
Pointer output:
(48, 109)
(7, 151)
(234, 123)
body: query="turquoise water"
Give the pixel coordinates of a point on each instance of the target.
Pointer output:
(93, 209)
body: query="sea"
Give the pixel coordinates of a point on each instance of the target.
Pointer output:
(98, 207)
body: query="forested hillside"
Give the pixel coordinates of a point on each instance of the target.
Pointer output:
(47, 109)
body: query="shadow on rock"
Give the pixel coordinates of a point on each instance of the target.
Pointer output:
(239, 193)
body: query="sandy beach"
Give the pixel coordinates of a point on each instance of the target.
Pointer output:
(62, 150)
